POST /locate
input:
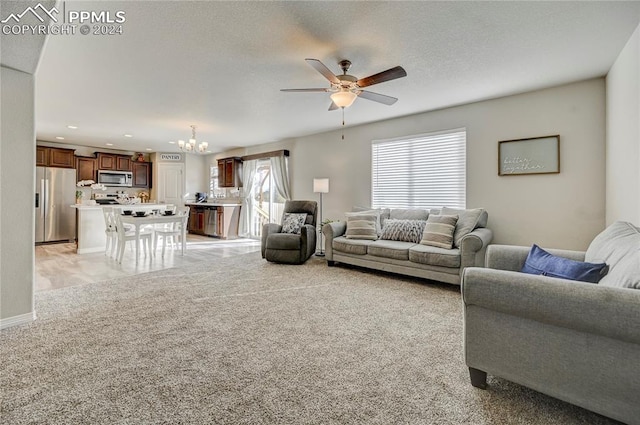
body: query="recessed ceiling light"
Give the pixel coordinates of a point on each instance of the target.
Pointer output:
(172, 143)
(59, 137)
(128, 135)
(72, 127)
(149, 149)
(109, 144)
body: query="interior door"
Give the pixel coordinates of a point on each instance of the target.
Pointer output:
(171, 186)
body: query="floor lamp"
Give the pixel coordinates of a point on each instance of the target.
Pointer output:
(320, 186)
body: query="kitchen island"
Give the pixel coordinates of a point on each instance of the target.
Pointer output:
(218, 219)
(91, 236)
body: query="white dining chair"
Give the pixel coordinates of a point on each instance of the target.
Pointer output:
(170, 232)
(110, 229)
(125, 236)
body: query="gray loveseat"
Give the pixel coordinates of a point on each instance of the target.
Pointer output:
(408, 258)
(579, 342)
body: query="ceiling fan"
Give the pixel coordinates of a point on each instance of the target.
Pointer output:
(345, 88)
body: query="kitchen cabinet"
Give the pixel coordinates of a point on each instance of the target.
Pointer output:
(197, 220)
(230, 172)
(219, 220)
(113, 162)
(123, 163)
(86, 168)
(55, 157)
(141, 174)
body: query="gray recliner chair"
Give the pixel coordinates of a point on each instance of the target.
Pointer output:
(291, 248)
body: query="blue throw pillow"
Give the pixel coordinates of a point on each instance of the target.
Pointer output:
(540, 262)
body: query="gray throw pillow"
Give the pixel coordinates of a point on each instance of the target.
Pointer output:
(467, 221)
(403, 230)
(361, 226)
(439, 231)
(293, 222)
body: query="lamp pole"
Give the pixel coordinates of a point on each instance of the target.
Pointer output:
(320, 186)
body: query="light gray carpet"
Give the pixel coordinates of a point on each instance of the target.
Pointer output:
(242, 341)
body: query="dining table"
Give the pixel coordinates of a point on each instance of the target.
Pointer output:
(151, 219)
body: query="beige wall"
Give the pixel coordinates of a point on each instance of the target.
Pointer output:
(561, 210)
(17, 149)
(623, 135)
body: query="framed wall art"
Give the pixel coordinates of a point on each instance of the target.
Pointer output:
(536, 155)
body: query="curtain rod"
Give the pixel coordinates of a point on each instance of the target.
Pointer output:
(283, 152)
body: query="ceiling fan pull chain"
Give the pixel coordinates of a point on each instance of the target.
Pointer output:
(342, 123)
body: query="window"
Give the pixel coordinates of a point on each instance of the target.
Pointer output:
(423, 171)
(213, 181)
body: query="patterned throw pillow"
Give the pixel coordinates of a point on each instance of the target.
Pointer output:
(403, 230)
(361, 226)
(292, 222)
(439, 231)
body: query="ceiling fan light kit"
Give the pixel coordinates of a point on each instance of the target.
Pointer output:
(343, 98)
(190, 146)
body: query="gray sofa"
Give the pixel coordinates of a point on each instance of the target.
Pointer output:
(579, 342)
(408, 258)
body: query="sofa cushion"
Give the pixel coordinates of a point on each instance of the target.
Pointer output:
(467, 221)
(390, 249)
(439, 231)
(619, 246)
(434, 256)
(350, 246)
(403, 230)
(382, 213)
(361, 226)
(409, 214)
(283, 241)
(541, 262)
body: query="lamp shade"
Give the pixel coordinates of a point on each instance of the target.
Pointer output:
(321, 185)
(343, 98)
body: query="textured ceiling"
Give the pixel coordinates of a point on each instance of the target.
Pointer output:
(220, 65)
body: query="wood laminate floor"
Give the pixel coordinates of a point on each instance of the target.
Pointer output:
(58, 265)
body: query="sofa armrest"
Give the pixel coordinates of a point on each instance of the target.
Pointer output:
(473, 247)
(330, 231)
(509, 257)
(584, 307)
(268, 229)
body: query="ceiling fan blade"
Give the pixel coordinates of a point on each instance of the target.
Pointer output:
(381, 77)
(377, 97)
(306, 90)
(333, 106)
(322, 69)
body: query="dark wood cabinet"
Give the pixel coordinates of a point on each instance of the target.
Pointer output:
(113, 162)
(141, 174)
(55, 157)
(62, 158)
(86, 168)
(196, 220)
(123, 163)
(106, 161)
(41, 156)
(230, 172)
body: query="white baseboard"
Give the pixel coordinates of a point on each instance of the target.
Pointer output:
(17, 320)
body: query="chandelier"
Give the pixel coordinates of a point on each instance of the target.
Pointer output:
(190, 146)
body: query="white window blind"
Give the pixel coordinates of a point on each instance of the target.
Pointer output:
(423, 171)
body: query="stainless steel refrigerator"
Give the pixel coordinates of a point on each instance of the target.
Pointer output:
(55, 193)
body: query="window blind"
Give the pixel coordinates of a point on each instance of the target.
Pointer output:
(423, 171)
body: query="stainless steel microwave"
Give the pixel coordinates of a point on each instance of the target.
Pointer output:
(115, 178)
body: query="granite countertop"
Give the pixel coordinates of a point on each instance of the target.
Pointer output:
(132, 206)
(214, 204)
